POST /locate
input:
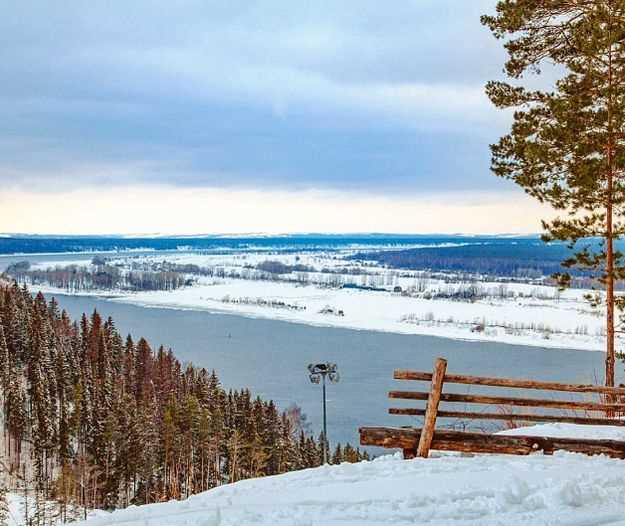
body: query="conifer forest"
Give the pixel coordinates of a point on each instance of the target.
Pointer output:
(93, 420)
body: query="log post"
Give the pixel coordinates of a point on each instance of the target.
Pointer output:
(429, 422)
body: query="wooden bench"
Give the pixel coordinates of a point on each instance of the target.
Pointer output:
(415, 441)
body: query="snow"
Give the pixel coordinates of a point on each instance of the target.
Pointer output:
(561, 430)
(15, 509)
(516, 313)
(446, 489)
(567, 323)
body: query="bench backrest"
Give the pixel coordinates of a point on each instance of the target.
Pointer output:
(610, 404)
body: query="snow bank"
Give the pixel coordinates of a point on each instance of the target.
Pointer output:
(559, 430)
(563, 489)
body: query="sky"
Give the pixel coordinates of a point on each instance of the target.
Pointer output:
(251, 116)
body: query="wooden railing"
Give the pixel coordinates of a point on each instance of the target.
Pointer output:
(610, 405)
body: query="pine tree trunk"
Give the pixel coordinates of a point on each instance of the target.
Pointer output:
(609, 360)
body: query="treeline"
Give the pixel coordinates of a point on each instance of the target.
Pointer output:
(149, 265)
(530, 261)
(267, 270)
(91, 420)
(277, 267)
(217, 244)
(75, 278)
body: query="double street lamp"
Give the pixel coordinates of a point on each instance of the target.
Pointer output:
(318, 373)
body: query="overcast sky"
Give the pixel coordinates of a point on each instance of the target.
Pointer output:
(229, 116)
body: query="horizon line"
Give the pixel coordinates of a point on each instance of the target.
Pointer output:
(157, 235)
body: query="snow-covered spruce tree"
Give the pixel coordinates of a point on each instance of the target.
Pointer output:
(565, 147)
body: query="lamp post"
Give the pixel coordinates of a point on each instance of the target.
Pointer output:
(318, 373)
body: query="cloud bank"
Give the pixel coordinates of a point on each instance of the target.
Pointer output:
(359, 99)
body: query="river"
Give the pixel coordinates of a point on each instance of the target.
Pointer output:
(270, 357)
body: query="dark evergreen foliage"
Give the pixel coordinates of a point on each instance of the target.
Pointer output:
(524, 259)
(95, 421)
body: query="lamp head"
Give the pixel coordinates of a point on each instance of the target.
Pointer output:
(317, 370)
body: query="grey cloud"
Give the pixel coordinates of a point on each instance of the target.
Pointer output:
(285, 94)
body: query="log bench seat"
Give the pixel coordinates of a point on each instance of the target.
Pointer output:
(418, 441)
(407, 438)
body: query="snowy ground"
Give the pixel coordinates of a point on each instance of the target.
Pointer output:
(16, 516)
(564, 489)
(15, 509)
(520, 313)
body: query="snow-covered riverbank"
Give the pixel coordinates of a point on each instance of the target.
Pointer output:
(565, 323)
(330, 289)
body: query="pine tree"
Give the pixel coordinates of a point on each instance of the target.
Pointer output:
(337, 457)
(565, 147)
(4, 361)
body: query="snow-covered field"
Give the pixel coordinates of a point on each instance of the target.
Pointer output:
(520, 313)
(563, 489)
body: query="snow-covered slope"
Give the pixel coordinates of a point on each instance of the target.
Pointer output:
(15, 517)
(564, 489)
